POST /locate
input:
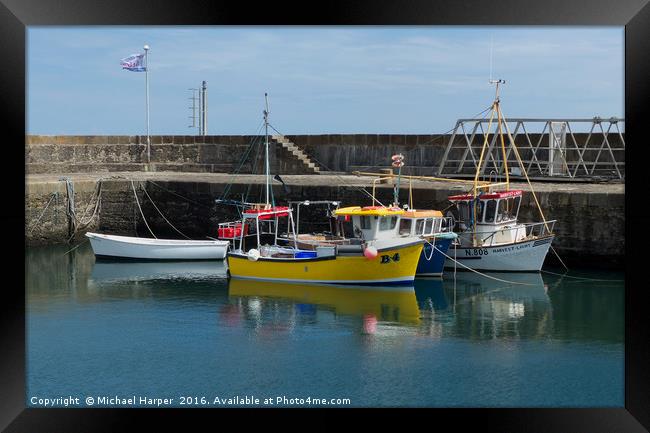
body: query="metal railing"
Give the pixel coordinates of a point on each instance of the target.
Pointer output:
(532, 230)
(558, 151)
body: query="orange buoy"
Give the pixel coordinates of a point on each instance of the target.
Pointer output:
(370, 253)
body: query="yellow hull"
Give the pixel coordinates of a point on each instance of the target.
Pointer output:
(396, 304)
(391, 266)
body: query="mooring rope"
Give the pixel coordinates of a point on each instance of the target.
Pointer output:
(70, 207)
(80, 244)
(161, 214)
(558, 257)
(179, 195)
(141, 213)
(98, 199)
(42, 213)
(430, 255)
(475, 271)
(581, 278)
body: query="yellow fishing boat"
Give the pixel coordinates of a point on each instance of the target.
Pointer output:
(378, 256)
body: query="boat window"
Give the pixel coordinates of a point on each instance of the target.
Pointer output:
(429, 227)
(419, 227)
(480, 207)
(463, 210)
(437, 226)
(365, 222)
(509, 212)
(490, 211)
(405, 227)
(387, 223)
(501, 212)
(515, 206)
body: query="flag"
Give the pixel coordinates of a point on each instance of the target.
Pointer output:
(133, 63)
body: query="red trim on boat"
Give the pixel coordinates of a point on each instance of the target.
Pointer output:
(492, 195)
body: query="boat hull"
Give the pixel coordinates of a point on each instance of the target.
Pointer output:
(526, 256)
(432, 263)
(392, 266)
(133, 248)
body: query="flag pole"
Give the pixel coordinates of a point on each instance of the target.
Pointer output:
(146, 79)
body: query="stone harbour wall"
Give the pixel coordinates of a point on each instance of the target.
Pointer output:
(590, 218)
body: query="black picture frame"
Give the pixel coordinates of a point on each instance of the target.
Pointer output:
(15, 15)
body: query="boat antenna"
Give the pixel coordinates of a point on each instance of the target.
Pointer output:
(266, 143)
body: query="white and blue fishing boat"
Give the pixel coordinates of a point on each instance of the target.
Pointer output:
(436, 230)
(491, 239)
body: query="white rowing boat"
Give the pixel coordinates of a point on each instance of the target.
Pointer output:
(128, 247)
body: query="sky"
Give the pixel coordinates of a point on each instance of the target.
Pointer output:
(398, 80)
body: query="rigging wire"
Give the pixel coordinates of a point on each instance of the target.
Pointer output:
(180, 196)
(337, 175)
(242, 161)
(141, 213)
(161, 214)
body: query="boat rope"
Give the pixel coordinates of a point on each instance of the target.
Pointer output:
(256, 161)
(475, 271)
(97, 198)
(243, 160)
(42, 213)
(582, 278)
(161, 214)
(70, 207)
(141, 213)
(179, 195)
(363, 190)
(74, 248)
(558, 257)
(430, 255)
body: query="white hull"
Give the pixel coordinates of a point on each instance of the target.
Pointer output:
(527, 256)
(108, 271)
(156, 249)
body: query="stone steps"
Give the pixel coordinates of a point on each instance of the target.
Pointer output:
(296, 151)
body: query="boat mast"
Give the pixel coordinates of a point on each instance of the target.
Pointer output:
(266, 133)
(497, 104)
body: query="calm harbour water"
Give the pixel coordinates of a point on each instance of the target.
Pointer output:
(179, 330)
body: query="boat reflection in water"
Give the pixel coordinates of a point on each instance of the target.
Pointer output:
(114, 271)
(192, 282)
(477, 307)
(282, 306)
(472, 307)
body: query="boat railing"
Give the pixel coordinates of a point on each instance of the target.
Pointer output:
(447, 224)
(231, 230)
(532, 230)
(540, 229)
